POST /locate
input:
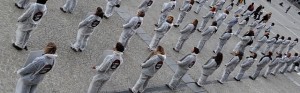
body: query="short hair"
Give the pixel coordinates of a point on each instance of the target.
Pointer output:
(214, 23)
(141, 13)
(296, 54)
(270, 53)
(226, 11)
(50, 48)
(41, 1)
(99, 12)
(229, 30)
(196, 50)
(192, 2)
(272, 24)
(119, 47)
(289, 38)
(254, 55)
(170, 17)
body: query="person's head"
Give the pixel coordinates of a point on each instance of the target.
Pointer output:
(270, 54)
(226, 12)
(252, 3)
(119, 47)
(99, 12)
(195, 50)
(282, 37)
(50, 48)
(289, 38)
(237, 15)
(239, 54)
(218, 58)
(296, 39)
(263, 7)
(277, 35)
(253, 55)
(41, 1)
(213, 9)
(279, 55)
(229, 30)
(288, 54)
(267, 33)
(214, 23)
(191, 2)
(272, 24)
(195, 23)
(170, 19)
(247, 19)
(249, 33)
(231, 4)
(160, 50)
(141, 14)
(296, 54)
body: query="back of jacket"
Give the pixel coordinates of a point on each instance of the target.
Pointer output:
(32, 16)
(210, 67)
(110, 64)
(188, 61)
(152, 65)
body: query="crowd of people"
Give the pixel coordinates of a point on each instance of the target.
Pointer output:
(33, 73)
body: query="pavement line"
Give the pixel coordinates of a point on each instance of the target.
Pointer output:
(290, 78)
(124, 13)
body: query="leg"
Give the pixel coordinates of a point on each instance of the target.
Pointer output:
(179, 44)
(161, 19)
(33, 89)
(72, 7)
(220, 46)
(201, 44)
(96, 84)
(202, 79)
(109, 9)
(180, 18)
(78, 41)
(84, 42)
(225, 76)
(27, 35)
(268, 71)
(22, 3)
(22, 87)
(198, 8)
(267, 49)
(240, 74)
(142, 79)
(256, 73)
(155, 41)
(177, 78)
(292, 68)
(203, 23)
(289, 49)
(277, 68)
(20, 38)
(284, 69)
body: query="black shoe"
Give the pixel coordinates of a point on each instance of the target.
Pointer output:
(176, 25)
(18, 6)
(105, 17)
(198, 84)
(74, 49)
(236, 79)
(79, 50)
(195, 12)
(251, 78)
(16, 47)
(199, 30)
(214, 51)
(264, 76)
(262, 53)
(26, 48)
(169, 86)
(175, 50)
(272, 74)
(130, 90)
(156, 25)
(61, 9)
(220, 82)
(197, 2)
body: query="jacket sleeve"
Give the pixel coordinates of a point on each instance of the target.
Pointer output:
(85, 22)
(270, 40)
(261, 39)
(143, 4)
(185, 61)
(207, 15)
(232, 61)
(285, 42)
(262, 61)
(165, 7)
(130, 23)
(27, 14)
(150, 62)
(30, 68)
(273, 63)
(186, 29)
(105, 64)
(247, 63)
(209, 65)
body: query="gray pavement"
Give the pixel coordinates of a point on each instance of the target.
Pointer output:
(72, 72)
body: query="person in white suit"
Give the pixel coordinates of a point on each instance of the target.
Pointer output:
(292, 45)
(207, 34)
(110, 7)
(166, 8)
(221, 18)
(245, 41)
(273, 64)
(245, 65)
(285, 59)
(206, 18)
(260, 42)
(242, 24)
(86, 29)
(106, 69)
(261, 64)
(28, 22)
(188, 30)
(233, 21)
(277, 43)
(145, 5)
(289, 63)
(230, 66)
(284, 44)
(223, 40)
(270, 43)
(69, 6)
(229, 7)
(199, 6)
(183, 11)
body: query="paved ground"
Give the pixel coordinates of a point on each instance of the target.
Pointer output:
(73, 73)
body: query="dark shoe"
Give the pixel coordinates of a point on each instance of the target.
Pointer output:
(236, 79)
(156, 25)
(197, 2)
(251, 78)
(105, 17)
(195, 12)
(18, 6)
(220, 82)
(26, 48)
(214, 51)
(79, 50)
(176, 25)
(281, 72)
(169, 86)
(74, 49)
(272, 74)
(16, 47)
(175, 50)
(130, 90)
(264, 76)
(199, 30)
(198, 84)
(61, 9)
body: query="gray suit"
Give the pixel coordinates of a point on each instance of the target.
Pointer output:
(201, 3)
(86, 28)
(240, 46)
(280, 64)
(223, 40)
(69, 6)
(220, 4)
(242, 24)
(185, 34)
(239, 10)
(272, 64)
(288, 64)
(28, 22)
(208, 69)
(259, 43)
(230, 66)
(244, 67)
(104, 71)
(284, 44)
(129, 29)
(185, 2)
(183, 66)
(186, 8)
(276, 45)
(220, 19)
(261, 64)
(205, 20)
(291, 46)
(149, 68)
(110, 6)
(253, 24)
(205, 36)
(232, 22)
(292, 67)
(22, 3)
(270, 43)
(145, 5)
(159, 34)
(34, 73)
(167, 7)
(259, 28)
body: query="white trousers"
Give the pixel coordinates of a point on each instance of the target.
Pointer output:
(141, 84)
(69, 6)
(22, 37)
(25, 88)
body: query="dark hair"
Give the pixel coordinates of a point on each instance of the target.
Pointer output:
(161, 50)
(249, 33)
(289, 38)
(296, 54)
(270, 54)
(218, 58)
(50, 48)
(279, 55)
(41, 1)
(141, 14)
(119, 47)
(247, 19)
(196, 50)
(272, 24)
(231, 4)
(296, 39)
(288, 54)
(99, 12)
(214, 23)
(195, 23)
(229, 30)
(254, 55)
(191, 2)
(226, 11)
(240, 55)
(282, 37)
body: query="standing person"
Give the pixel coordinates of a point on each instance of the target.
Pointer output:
(206, 18)
(107, 68)
(207, 34)
(289, 63)
(295, 63)
(149, 68)
(269, 28)
(266, 17)
(277, 43)
(69, 6)
(232, 22)
(229, 7)
(160, 33)
(242, 24)
(258, 28)
(223, 40)
(145, 5)
(213, 3)
(270, 43)
(129, 28)
(291, 45)
(220, 4)
(284, 44)
(185, 34)
(245, 41)
(34, 73)
(253, 24)
(185, 2)
(261, 64)
(28, 22)
(21, 4)
(209, 68)
(239, 10)
(273, 64)
(200, 4)
(281, 63)
(260, 43)
(287, 9)
(183, 12)
(245, 65)
(86, 28)
(184, 65)
(231, 65)
(257, 11)
(167, 7)
(249, 11)
(221, 18)
(240, 2)
(110, 7)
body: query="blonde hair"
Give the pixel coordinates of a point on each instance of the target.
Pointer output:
(50, 48)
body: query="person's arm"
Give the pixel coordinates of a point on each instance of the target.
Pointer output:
(185, 61)
(150, 61)
(105, 64)
(247, 63)
(210, 64)
(85, 21)
(232, 61)
(207, 15)
(261, 39)
(130, 23)
(186, 29)
(142, 4)
(161, 28)
(30, 68)
(27, 14)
